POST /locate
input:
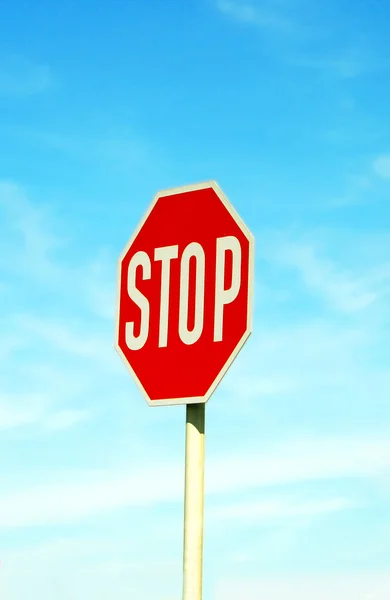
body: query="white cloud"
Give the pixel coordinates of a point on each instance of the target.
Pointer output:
(121, 150)
(36, 409)
(18, 410)
(381, 166)
(304, 358)
(89, 493)
(349, 63)
(71, 568)
(297, 461)
(341, 288)
(348, 290)
(52, 388)
(265, 15)
(9, 343)
(63, 419)
(277, 508)
(316, 367)
(71, 337)
(27, 234)
(63, 354)
(21, 77)
(101, 285)
(350, 586)
(36, 241)
(300, 31)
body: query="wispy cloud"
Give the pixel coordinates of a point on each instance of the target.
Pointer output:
(300, 460)
(19, 410)
(320, 359)
(73, 567)
(89, 493)
(335, 349)
(381, 166)
(264, 15)
(344, 62)
(121, 150)
(29, 231)
(362, 187)
(305, 356)
(345, 290)
(20, 77)
(64, 419)
(357, 186)
(37, 243)
(353, 585)
(301, 29)
(42, 391)
(277, 508)
(36, 409)
(69, 337)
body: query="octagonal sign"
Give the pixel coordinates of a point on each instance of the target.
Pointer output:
(185, 294)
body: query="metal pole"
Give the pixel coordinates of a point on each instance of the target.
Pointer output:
(193, 502)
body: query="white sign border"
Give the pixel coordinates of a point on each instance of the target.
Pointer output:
(251, 268)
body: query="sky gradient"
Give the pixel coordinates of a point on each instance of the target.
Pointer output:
(285, 104)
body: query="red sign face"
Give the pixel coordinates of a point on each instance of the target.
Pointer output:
(185, 294)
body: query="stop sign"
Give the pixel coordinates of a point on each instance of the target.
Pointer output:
(185, 294)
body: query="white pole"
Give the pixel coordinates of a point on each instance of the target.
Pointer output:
(193, 502)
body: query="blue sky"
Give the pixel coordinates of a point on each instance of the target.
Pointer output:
(285, 104)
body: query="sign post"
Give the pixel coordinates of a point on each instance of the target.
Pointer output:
(193, 502)
(185, 290)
